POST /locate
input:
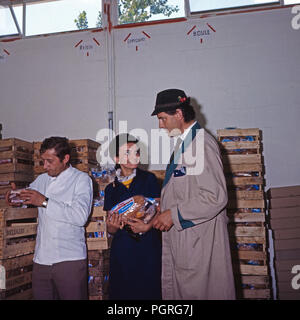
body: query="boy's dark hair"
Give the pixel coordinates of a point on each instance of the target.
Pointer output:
(59, 144)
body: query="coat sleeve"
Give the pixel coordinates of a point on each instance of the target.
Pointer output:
(210, 197)
(79, 210)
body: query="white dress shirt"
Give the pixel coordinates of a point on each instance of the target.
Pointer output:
(183, 135)
(61, 232)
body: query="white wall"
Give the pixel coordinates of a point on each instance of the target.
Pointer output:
(50, 87)
(246, 74)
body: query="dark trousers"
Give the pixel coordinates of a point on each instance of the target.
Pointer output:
(61, 281)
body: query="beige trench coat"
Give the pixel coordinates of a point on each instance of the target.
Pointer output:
(196, 261)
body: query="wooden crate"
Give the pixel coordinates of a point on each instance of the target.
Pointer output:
(16, 276)
(84, 147)
(255, 287)
(16, 156)
(7, 178)
(97, 237)
(18, 227)
(227, 133)
(236, 147)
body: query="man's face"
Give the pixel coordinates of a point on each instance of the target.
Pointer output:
(52, 164)
(171, 123)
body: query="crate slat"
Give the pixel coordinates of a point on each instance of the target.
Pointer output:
(254, 240)
(15, 143)
(247, 217)
(253, 270)
(247, 231)
(240, 203)
(242, 159)
(243, 167)
(257, 294)
(246, 195)
(238, 132)
(241, 181)
(17, 176)
(98, 243)
(262, 280)
(232, 145)
(96, 227)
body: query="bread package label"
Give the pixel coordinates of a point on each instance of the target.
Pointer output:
(136, 207)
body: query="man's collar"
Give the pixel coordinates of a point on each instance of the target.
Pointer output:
(185, 132)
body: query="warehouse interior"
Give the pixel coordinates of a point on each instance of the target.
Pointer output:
(240, 67)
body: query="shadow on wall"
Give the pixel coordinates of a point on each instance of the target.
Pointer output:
(199, 116)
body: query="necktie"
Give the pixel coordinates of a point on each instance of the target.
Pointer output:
(179, 140)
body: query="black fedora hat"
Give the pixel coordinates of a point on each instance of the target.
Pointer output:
(170, 99)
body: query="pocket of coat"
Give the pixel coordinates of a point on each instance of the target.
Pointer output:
(186, 249)
(180, 186)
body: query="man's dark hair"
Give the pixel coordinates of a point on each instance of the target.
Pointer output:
(188, 112)
(59, 144)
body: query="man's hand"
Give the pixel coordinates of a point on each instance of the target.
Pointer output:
(163, 221)
(32, 197)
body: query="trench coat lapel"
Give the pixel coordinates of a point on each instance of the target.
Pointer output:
(187, 141)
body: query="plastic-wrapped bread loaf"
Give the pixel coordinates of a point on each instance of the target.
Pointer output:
(136, 207)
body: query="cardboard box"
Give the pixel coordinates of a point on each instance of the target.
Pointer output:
(286, 234)
(284, 202)
(284, 212)
(283, 192)
(287, 223)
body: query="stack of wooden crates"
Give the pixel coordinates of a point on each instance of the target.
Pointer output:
(17, 225)
(241, 151)
(98, 244)
(284, 221)
(20, 163)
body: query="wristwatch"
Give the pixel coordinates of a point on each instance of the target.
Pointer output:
(45, 202)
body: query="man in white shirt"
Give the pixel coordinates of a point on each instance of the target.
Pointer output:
(64, 198)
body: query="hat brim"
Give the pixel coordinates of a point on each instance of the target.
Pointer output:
(169, 107)
(159, 109)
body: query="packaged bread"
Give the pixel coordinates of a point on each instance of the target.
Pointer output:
(14, 197)
(138, 207)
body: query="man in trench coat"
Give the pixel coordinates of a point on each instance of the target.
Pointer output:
(196, 259)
